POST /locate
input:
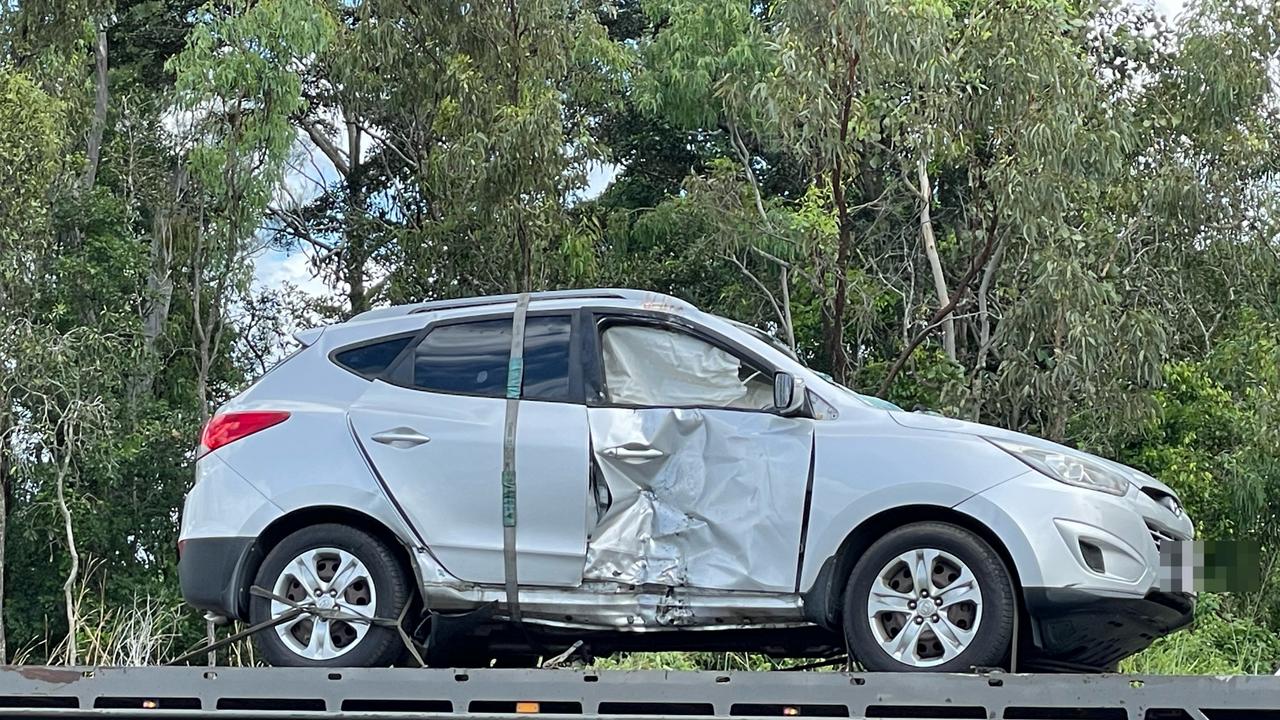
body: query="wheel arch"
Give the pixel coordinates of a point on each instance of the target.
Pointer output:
(823, 601)
(291, 522)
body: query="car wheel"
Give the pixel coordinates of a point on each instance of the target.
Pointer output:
(929, 597)
(340, 569)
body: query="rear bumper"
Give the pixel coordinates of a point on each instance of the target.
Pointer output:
(1078, 630)
(211, 574)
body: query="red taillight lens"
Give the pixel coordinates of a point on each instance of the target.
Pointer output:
(230, 427)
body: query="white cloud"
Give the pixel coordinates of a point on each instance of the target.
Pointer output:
(599, 178)
(1168, 8)
(272, 268)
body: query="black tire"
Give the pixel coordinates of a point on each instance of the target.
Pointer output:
(990, 644)
(381, 646)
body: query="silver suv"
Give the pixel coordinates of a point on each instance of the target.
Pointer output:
(617, 467)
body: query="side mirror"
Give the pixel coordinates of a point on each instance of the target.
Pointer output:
(788, 393)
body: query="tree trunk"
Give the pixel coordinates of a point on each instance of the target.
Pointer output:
(4, 517)
(99, 121)
(940, 315)
(159, 293)
(355, 244)
(978, 381)
(835, 322)
(68, 587)
(834, 331)
(787, 324)
(525, 273)
(935, 263)
(1061, 406)
(200, 321)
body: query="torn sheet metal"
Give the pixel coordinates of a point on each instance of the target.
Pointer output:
(699, 498)
(651, 366)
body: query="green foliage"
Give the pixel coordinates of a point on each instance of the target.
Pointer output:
(238, 80)
(30, 136)
(1190, 443)
(1220, 643)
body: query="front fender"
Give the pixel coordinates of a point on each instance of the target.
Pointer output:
(839, 525)
(868, 464)
(993, 517)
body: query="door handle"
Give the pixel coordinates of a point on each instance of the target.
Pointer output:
(401, 437)
(634, 454)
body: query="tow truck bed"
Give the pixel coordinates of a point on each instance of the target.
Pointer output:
(296, 693)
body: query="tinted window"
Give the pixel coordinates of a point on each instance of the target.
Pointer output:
(466, 358)
(546, 358)
(471, 358)
(370, 360)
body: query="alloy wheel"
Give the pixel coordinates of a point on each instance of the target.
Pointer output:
(924, 607)
(338, 585)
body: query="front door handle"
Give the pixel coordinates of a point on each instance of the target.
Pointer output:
(401, 437)
(632, 453)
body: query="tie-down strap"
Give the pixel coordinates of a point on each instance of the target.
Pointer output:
(515, 380)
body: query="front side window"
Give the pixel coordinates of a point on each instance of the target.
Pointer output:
(657, 367)
(472, 358)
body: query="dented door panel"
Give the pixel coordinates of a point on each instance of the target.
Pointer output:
(698, 498)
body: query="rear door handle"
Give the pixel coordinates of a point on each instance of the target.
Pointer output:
(634, 454)
(401, 437)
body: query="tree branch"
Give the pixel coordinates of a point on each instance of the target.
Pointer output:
(327, 147)
(942, 313)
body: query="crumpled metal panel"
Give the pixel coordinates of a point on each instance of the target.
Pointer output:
(718, 505)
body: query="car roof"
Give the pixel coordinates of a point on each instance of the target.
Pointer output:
(373, 322)
(628, 298)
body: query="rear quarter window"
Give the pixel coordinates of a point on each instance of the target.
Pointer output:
(371, 359)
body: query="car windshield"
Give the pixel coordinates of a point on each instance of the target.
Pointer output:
(762, 336)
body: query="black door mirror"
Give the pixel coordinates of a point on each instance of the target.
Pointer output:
(788, 393)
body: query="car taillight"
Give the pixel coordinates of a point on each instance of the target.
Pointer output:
(229, 427)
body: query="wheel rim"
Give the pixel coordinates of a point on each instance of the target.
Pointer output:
(331, 580)
(924, 607)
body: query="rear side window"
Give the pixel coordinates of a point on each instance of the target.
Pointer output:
(472, 358)
(370, 360)
(464, 358)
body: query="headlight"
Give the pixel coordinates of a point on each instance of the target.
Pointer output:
(1068, 468)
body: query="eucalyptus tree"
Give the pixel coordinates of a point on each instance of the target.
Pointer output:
(457, 134)
(238, 82)
(1031, 144)
(31, 127)
(1202, 199)
(486, 106)
(61, 381)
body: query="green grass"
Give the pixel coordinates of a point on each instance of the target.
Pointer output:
(1218, 644)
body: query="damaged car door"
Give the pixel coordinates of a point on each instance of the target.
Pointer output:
(700, 481)
(434, 431)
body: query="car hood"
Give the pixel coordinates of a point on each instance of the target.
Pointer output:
(931, 421)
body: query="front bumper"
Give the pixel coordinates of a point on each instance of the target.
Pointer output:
(1080, 631)
(211, 572)
(1090, 568)
(1059, 536)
